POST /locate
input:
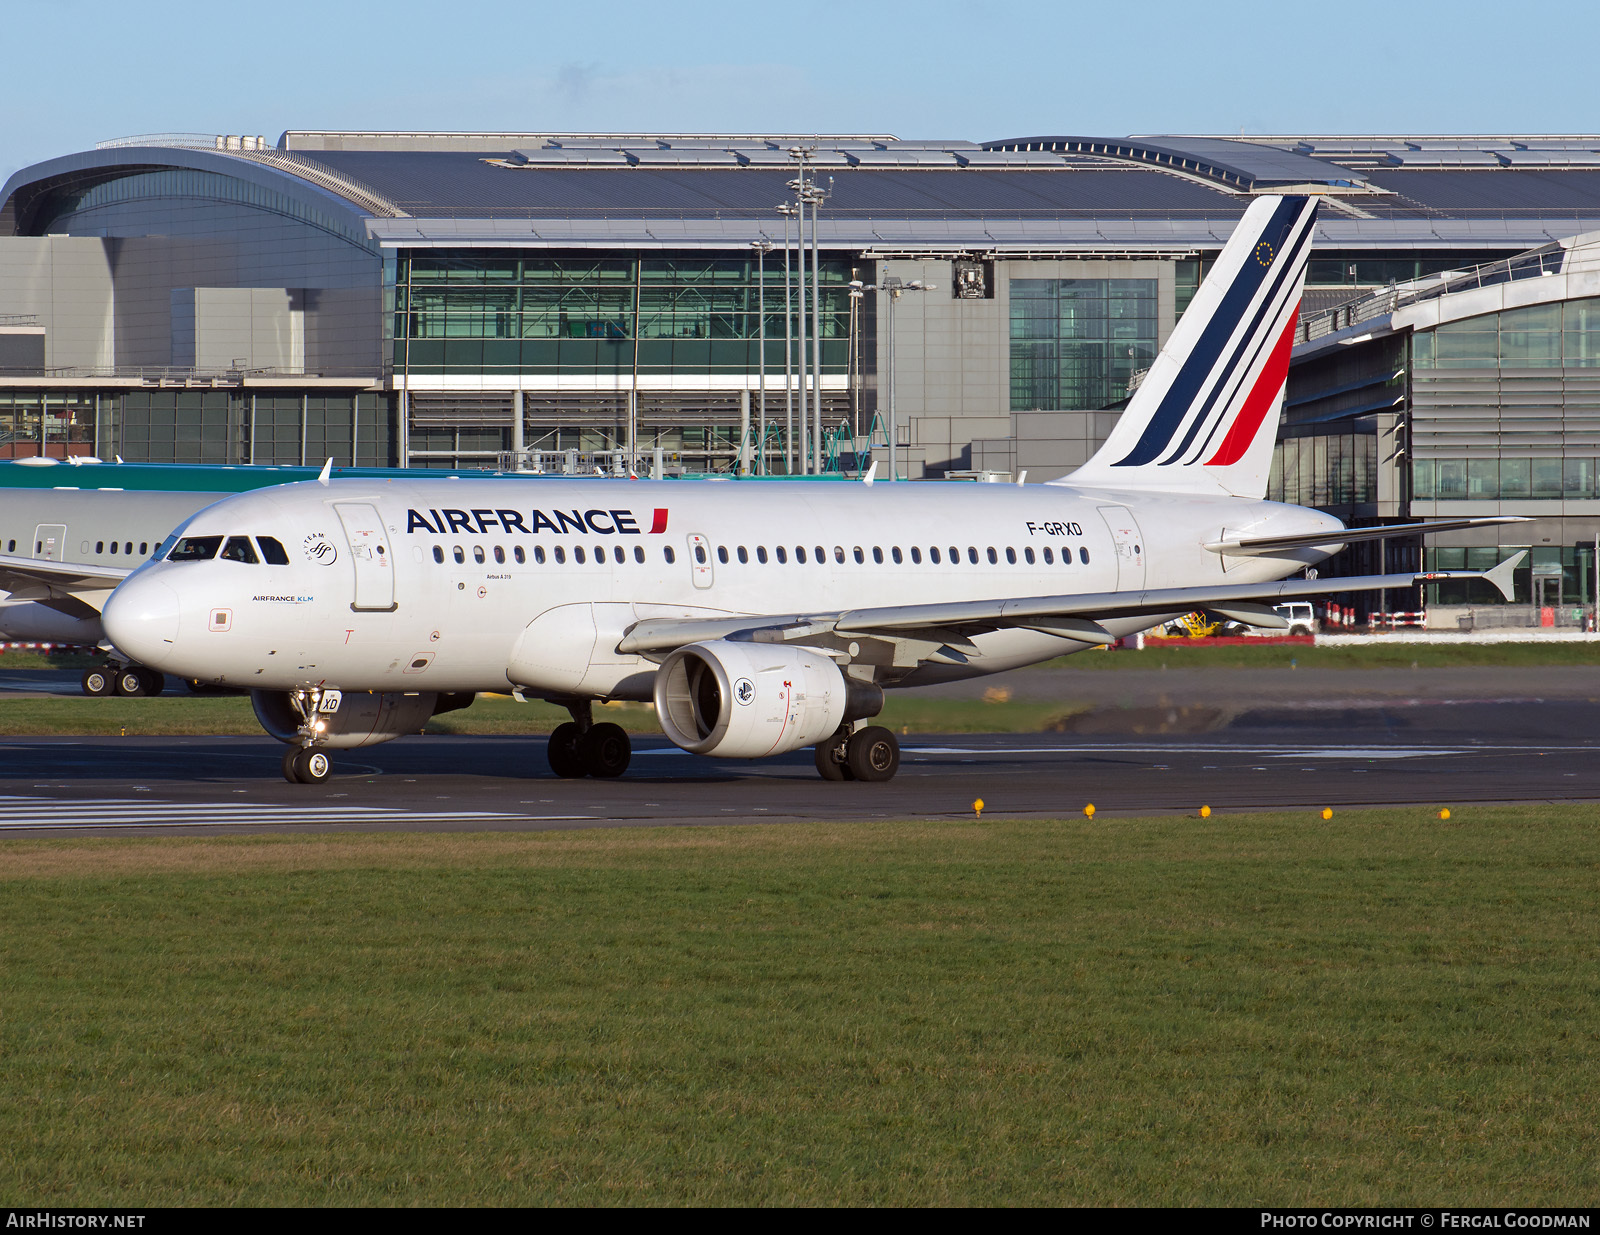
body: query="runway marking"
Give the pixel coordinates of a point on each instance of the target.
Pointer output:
(20, 814)
(1247, 751)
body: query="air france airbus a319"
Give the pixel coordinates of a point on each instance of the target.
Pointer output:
(760, 618)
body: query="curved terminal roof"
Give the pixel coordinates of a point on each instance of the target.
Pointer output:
(1060, 193)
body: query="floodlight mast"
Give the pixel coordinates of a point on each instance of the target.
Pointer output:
(892, 287)
(788, 212)
(762, 247)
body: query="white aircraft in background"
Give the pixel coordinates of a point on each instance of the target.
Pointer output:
(760, 618)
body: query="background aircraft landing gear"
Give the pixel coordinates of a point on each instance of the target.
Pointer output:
(581, 748)
(129, 681)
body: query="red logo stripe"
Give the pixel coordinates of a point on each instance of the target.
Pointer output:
(660, 524)
(1260, 400)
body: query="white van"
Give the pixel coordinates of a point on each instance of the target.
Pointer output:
(1302, 619)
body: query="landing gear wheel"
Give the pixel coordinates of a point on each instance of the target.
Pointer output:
(873, 754)
(154, 683)
(605, 751)
(566, 759)
(289, 756)
(310, 765)
(99, 681)
(833, 759)
(131, 684)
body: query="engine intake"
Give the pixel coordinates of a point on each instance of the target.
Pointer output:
(748, 700)
(362, 719)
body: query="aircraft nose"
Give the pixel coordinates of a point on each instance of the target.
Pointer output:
(141, 619)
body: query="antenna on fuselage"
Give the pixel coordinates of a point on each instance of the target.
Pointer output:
(870, 473)
(327, 470)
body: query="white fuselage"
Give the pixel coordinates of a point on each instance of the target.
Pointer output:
(462, 585)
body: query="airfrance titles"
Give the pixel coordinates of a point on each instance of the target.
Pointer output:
(477, 522)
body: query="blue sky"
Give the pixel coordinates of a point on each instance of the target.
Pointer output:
(78, 71)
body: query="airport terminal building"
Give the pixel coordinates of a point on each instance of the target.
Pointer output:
(563, 302)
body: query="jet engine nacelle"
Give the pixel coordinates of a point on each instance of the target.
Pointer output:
(748, 700)
(362, 719)
(28, 621)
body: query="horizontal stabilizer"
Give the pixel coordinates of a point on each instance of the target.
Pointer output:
(1263, 545)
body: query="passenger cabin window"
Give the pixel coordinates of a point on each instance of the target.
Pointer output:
(1028, 554)
(822, 558)
(761, 554)
(895, 553)
(477, 554)
(994, 558)
(459, 555)
(577, 554)
(1083, 555)
(617, 555)
(195, 549)
(972, 554)
(667, 552)
(518, 554)
(1011, 555)
(722, 554)
(1049, 558)
(744, 556)
(438, 553)
(144, 547)
(238, 549)
(933, 555)
(800, 554)
(538, 555)
(638, 554)
(860, 556)
(272, 551)
(100, 546)
(877, 555)
(499, 555)
(783, 556)
(561, 555)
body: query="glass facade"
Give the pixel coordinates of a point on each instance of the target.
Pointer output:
(1326, 470)
(1545, 336)
(199, 426)
(1566, 572)
(1378, 269)
(1496, 479)
(1075, 343)
(53, 423)
(503, 313)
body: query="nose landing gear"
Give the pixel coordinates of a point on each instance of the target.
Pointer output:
(304, 764)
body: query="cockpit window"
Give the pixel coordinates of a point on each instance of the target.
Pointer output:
(238, 550)
(272, 551)
(195, 549)
(161, 549)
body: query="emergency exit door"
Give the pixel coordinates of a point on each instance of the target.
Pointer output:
(1128, 544)
(370, 551)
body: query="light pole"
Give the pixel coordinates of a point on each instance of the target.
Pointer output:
(802, 191)
(893, 288)
(761, 246)
(788, 212)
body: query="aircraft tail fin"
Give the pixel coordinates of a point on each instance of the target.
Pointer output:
(1205, 418)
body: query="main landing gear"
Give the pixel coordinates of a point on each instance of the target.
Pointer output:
(871, 753)
(581, 748)
(129, 681)
(303, 763)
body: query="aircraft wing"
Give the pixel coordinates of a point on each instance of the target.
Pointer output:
(946, 628)
(74, 589)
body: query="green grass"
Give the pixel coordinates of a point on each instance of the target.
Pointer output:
(1260, 1010)
(175, 714)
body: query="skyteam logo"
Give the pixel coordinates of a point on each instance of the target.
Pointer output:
(1228, 378)
(319, 549)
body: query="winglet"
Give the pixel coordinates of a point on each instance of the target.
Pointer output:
(327, 470)
(1500, 576)
(871, 472)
